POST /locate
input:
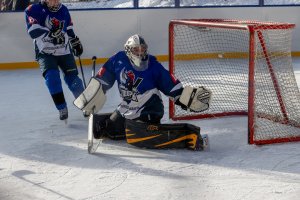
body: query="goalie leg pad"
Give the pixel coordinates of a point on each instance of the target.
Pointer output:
(99, 125)
(163, 136)
(111, 125)
(116, 126)
(195, 99)
(92, 99)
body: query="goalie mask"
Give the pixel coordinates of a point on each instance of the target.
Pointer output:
(136, 50)
(52, 5)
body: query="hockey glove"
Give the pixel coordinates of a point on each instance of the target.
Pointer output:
(195, 99)
(57, 37)
(76, 46)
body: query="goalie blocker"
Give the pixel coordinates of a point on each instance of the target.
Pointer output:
(148, 135)
(92, 99)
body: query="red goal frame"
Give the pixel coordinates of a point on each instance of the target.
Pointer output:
(253, 27)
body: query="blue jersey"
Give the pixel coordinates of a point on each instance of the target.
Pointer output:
(139, 89)
(40, 21)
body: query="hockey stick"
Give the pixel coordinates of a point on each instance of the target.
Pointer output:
(93, 143)
(94, 58)
(82, 74)
(92, 147)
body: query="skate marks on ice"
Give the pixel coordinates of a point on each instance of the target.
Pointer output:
(228, 148)
(109, 172)
(61, 165)
(56, 157)
(46, 187)
(21, 174)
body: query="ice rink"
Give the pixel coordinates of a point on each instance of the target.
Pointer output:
(41, 158)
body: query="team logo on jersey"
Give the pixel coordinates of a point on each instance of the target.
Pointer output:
(129, 85)
(54, 24)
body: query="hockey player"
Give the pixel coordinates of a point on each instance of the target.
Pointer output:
(141, 78)
(50, 26)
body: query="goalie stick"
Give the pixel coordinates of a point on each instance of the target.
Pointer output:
(94, 142)
(92, 146)
(94, 58)
(81, 69)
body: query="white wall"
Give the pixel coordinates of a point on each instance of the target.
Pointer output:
(104, 32)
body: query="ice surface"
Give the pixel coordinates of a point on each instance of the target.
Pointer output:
(42, 158)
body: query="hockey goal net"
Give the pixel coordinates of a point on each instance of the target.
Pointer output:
(248, 67)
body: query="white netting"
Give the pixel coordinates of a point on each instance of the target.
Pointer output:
(270, 105)
(218, 58)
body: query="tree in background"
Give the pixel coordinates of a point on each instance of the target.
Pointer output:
(10, 5)
(21, 4)
(6, 5)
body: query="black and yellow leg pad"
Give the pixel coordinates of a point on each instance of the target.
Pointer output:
(99, 124)
(111, 125)
(163, 136)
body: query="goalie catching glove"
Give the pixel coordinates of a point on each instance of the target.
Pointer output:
(92, 99)
(195, 99)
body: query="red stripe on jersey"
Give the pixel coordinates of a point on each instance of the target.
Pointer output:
(101, 72)
(71, 22)
(29, 7)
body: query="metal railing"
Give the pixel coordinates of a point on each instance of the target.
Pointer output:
(20, 5)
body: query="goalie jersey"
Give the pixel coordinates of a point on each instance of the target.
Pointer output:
(40, 21)
(139, 89)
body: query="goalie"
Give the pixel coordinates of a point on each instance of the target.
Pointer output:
(141, 78)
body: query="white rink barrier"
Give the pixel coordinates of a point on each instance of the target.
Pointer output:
(103, 32)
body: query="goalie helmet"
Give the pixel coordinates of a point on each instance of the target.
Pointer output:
(136, 50)
(52, 5)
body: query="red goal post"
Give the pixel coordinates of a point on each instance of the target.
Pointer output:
(248, 67)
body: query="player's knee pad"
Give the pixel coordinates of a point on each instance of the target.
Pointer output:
(74, 83)
(53, 82)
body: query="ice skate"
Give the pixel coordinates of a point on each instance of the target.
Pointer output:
(63, 114)
(205, 144)
(202, 143)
